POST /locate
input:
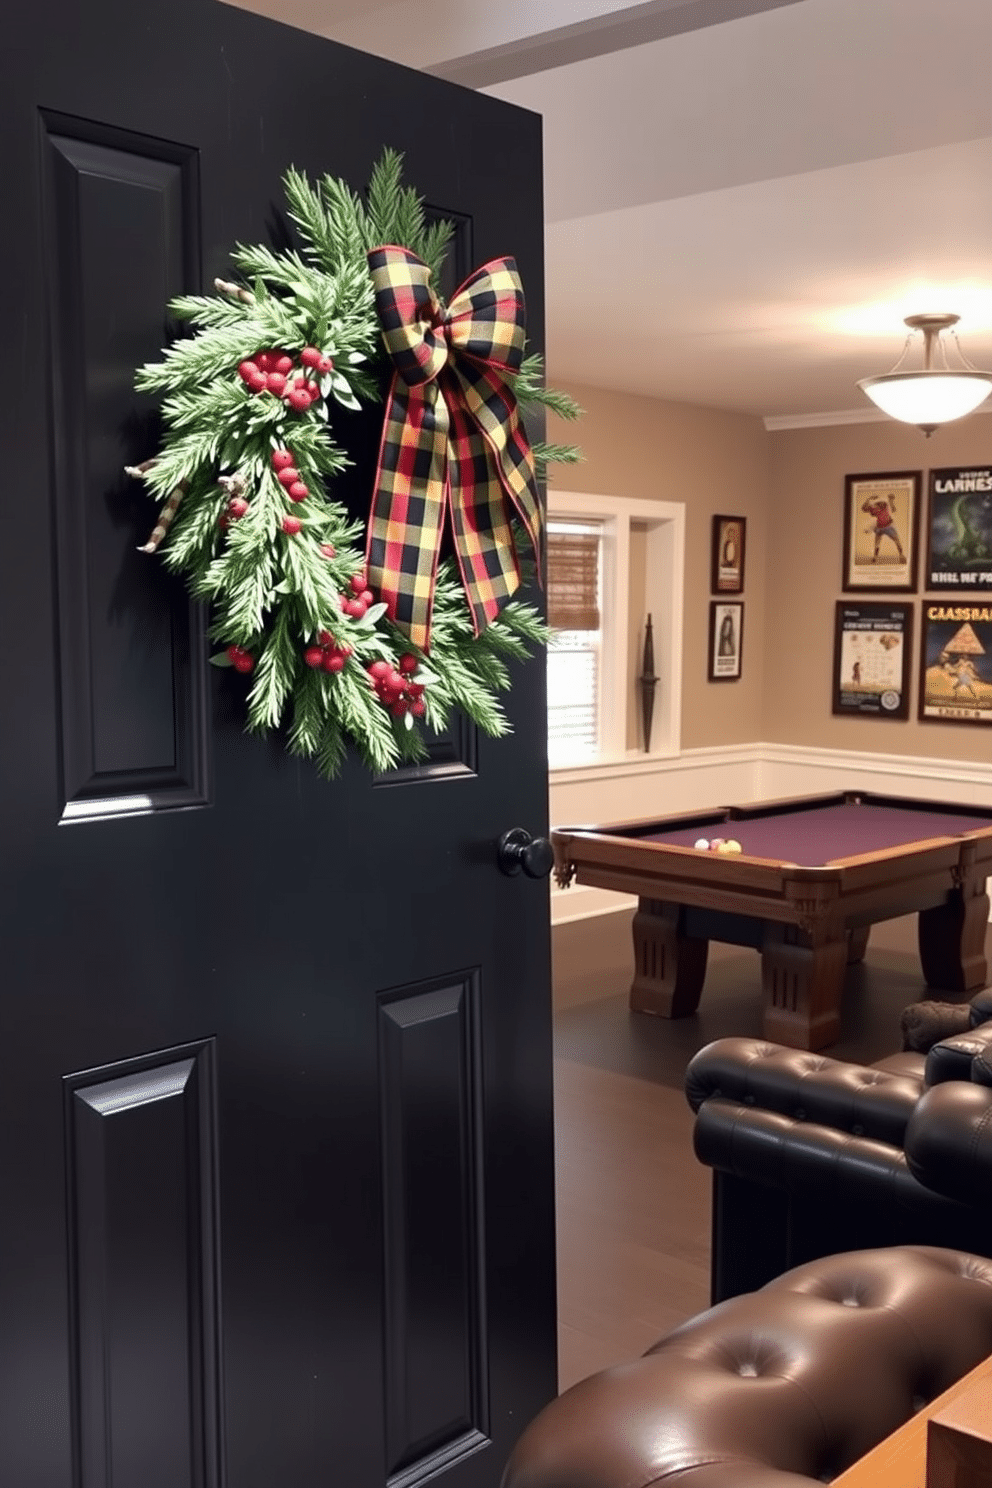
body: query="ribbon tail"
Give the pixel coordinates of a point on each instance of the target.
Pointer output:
(502, 475)
(480, 524)
(408, 507)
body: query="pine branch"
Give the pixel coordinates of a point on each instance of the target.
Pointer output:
(206, 310)
(555, 454)
(346, 220)
(331, 749)
(522, 620)
(528, 384)
(394, 212)
(320, 232)
(181, 461)
(434, 246)
(364, 718)
(310, 723)
(275, 675)
(286, 269)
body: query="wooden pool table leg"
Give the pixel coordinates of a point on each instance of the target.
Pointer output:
(803, 979)
(952, 940)
(669, 967)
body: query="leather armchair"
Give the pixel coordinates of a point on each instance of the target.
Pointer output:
(781, 1388)
(813, 1156)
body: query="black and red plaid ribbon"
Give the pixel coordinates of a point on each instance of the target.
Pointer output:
(452, 440)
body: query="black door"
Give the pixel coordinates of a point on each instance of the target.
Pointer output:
(276, 1145)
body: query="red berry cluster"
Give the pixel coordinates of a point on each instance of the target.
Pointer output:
(394, 689)
(269, 372)
(361, 597)
(288, 476)
(326, 654)
(240, 659)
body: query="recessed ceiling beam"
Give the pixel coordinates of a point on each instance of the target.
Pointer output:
(596, 36)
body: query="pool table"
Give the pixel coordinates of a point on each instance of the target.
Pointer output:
(814, 874)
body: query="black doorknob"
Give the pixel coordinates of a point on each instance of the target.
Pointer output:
(517, 850)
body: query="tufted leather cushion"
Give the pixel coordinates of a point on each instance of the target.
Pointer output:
(861, 1099)
(778, 1388)
(949, 1142)
(961, 1057)
(808, 1158)
(981, 1064)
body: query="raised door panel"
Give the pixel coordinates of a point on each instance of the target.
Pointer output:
(121, 238)
(144, 1317)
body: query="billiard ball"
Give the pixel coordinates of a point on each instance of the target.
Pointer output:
(716, 844)
(730, 845)
(702, 843)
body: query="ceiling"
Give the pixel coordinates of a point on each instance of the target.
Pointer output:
(743, 197)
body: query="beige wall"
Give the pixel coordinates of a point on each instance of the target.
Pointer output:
(805, 556)
(713, 462)
(790, 486)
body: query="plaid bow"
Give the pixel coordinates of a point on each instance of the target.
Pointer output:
(452, 440)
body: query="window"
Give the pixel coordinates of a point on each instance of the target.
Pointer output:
(575, 607)
(612, 561)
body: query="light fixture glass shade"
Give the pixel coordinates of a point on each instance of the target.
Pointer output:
(937, 395)
(928, 398)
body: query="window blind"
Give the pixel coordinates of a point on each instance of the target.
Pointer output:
(574, 652)
(573, 580)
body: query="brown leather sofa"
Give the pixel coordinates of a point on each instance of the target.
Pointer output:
(812, 1156)
(784, 1387)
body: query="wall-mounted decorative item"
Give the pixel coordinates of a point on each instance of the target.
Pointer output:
(881, 520)
(647, 682)
(959, 528)
(727, 564)
(956, 663)
(726, 640)
(872, 644)
(332, 638)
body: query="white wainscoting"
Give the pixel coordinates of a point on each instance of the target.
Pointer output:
(644, 786)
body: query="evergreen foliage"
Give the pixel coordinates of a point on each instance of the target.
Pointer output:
(282, 571)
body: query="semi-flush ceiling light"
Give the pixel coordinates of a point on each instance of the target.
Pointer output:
(937, 394)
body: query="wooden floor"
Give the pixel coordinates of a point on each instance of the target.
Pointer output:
(633, 1202)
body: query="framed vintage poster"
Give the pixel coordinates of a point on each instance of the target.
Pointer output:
(872, 644)
(881, 521)
(727, 562)
(726, 640)
(959, 528)
(956, 662)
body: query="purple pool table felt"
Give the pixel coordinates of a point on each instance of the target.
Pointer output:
(815, 838)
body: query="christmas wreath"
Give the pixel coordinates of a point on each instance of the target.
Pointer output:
(354, 632)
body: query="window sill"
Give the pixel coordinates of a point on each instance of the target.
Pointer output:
(633, 763)
(607, 766)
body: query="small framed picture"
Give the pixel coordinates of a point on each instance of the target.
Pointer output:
(959, 528)
(726, 640)
(956, 663)
(727, 565)
(881, 521)
(872, 645)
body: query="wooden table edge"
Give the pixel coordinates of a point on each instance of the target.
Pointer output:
(900, 1461)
